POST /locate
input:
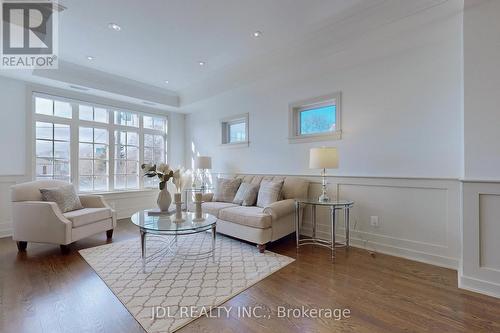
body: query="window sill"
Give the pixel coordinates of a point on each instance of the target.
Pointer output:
(243, 144)
(131, 191)
(337, 135)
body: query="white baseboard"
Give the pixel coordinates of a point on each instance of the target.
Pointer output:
(411, 254)
(479, 286)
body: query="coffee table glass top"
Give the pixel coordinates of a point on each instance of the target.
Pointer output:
(169, 223)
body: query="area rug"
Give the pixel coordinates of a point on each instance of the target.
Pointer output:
(174, 291)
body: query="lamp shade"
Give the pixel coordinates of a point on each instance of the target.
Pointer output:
(323, 158)
(203, 162)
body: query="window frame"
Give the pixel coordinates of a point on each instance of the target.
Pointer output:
(225, 125)
(75, 123)
(294, 113)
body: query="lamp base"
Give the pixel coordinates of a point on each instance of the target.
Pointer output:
(323, 198)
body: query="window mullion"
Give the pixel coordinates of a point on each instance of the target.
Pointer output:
(73, 146)
(111, 152)
(141, 150)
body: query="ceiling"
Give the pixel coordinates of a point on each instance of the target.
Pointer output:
(166, 39)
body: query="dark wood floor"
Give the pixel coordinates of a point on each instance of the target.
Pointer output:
(44, 291)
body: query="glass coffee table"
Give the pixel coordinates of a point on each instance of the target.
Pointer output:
(165, 228)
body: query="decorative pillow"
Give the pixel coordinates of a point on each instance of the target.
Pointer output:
(64, 196)
(246, 195)
(226, 189)
(269, 192)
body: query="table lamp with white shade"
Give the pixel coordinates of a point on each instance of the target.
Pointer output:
(323, 158)
(203, 163)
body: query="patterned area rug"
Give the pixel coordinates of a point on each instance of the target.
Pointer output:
(159, 298)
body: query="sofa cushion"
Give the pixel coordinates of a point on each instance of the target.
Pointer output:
(64, 196)
(249, 216)
(269, 192)
(85, 216)
(295, 188)
(226, 189)
(214, 207)
(246, 195)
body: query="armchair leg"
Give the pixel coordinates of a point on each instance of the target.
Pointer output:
(21, 246)
(261, 247)
(64, 249)
(109, 233)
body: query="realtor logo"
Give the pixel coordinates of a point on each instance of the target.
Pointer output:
(29, 34)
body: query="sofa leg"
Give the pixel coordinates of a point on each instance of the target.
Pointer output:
(64, 249)
(109, 233)
(21, 246)
(261, 247)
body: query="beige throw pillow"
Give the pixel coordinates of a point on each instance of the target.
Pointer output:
(64, 196)
(269, 192)
(226, 189)
(246, 195)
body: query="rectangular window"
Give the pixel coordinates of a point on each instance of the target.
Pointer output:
(93, 159)
(52, 151)
(316, 119)
(107, 145)
(234, 130)
(319, 119)
(125, 118)
(90, 113)
(126, 160)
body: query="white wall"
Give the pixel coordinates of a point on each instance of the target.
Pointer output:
(401, 118)
(481, 90)
(13, 128)
(401, 109)
(480, 269)
(15, 165)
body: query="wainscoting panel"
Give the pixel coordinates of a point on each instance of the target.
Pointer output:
(419, 219)
(480, 270)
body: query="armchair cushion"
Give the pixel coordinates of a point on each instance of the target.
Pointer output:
(85, 216)
(280, 209)
(64, 196)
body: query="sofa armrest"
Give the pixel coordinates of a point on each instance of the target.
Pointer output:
(280, 209)
(40, 221)
(207, 197)
(93, 201)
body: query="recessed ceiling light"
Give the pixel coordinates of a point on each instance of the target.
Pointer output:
(90, 58)
(114, 26)
(257, 34)
(202, 63)
(166, 81)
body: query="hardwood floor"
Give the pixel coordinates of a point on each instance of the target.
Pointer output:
(43, 290)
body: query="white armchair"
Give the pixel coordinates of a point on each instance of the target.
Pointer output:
(40, 221)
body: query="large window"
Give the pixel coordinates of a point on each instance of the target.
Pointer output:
(234, 130)
(316, 119)
(97, 148)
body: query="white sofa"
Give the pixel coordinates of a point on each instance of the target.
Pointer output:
(40, 221)
(259, 225)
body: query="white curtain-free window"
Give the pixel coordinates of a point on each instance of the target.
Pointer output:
(96, 147)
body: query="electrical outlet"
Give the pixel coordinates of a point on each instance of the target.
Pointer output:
(374, 221)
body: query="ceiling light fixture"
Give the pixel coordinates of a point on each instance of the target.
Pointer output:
(257, 34)
(202, 63)
(166, 81)
(114, 26)
(90, 58)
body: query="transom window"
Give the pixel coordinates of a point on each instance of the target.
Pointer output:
(234, 130)
(317, 119)
(97, 148)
